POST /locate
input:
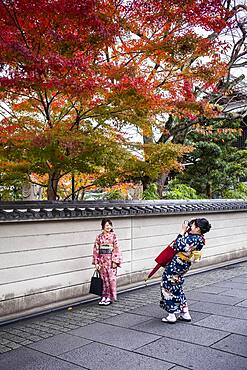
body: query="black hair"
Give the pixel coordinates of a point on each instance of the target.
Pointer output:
(104, 221)
(203, 224)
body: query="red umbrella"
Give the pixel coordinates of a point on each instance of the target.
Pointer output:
(163, 259)
(156, 268)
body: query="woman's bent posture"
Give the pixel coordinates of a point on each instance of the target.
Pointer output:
(187, 246)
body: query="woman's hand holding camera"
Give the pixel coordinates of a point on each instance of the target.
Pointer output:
(185, 227)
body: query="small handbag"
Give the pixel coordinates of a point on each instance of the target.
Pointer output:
(163, 259)
(96, 285)
(165, 256)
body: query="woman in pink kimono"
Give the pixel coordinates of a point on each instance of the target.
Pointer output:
(107, 258)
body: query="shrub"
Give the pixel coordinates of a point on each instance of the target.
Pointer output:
(151, 193)
(239, 193)
(114, 195)
(180, 191)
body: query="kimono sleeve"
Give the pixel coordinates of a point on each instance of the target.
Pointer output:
(188, 243)
(183, 244)
(95, 259)
(116, 252)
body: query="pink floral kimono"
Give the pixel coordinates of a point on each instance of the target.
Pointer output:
(106, 251)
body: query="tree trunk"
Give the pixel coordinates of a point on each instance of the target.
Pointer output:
(146, 181)
(73, 187)
(53, 185)
(161, 183)
(209, 190)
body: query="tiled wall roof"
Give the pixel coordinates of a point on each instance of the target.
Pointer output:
(54, 210)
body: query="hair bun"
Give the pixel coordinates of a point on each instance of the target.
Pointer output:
(203, 224)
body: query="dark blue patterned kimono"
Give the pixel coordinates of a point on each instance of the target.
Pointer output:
(173, 299)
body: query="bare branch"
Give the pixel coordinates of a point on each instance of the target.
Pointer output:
(37, 183)
(79, 189)
(15, 20)
(46, 108)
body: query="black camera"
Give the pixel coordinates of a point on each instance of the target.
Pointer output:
(189, 224)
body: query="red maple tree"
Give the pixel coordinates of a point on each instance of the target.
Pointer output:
(74, 74)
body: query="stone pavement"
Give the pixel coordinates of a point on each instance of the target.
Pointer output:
(130, 335)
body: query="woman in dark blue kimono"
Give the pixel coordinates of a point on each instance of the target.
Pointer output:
(187, 246)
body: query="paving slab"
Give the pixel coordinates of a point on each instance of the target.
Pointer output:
(214, 298)
(98, 356)
(241, 293)
(242, 304)
(113, 335)
(193, 356)
(232, 285)
(220, 309)
(89, 336)
(240, 279)
(211, 289)
(59, 344)
(179, 368)
(28, 359)
(182, 331)
(126, 320)
(233, 325)
(4, 349)
(152, 310)
(234, 343)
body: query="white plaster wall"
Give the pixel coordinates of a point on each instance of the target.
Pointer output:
(45, 264)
